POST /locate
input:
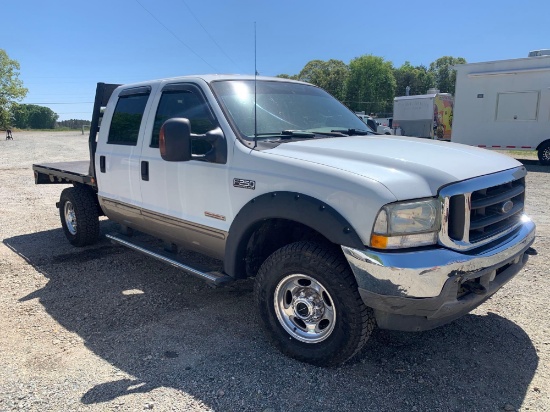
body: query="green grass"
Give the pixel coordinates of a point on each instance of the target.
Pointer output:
(520, 153)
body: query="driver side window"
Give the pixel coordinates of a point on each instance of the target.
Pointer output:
(189, 105)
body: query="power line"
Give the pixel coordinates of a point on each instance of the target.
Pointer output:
(209, 35)
(174, 34)
(59, 103)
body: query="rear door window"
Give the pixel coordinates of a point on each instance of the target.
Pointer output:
(127, 118)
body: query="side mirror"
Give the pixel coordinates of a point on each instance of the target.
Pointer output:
(218, 153)
(175, 140)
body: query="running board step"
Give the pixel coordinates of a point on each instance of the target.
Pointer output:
(213, 278)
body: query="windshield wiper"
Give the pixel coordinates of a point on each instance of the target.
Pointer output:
(297, 133)
(332, 133)
(310, 134)
(289, 134)
(354, 132)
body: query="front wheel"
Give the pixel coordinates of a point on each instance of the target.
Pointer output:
(79, 215)
(308, 300)
(544, 154)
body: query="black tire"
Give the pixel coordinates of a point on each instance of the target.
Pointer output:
(290, 277)
(79, 215)
(544, 154)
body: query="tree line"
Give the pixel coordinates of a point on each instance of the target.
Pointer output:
(74, 123)
(369, 83)
(32, 116)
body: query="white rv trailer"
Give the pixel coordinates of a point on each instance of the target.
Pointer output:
(424, 115)
(504, 105)
(542, 52)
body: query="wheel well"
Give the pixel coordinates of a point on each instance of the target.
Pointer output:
(275, 219)
(271, 235)
(94, 194)
(542, 144)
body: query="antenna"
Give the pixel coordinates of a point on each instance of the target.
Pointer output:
(255, 108)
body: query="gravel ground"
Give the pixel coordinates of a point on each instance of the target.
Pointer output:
(104, 328)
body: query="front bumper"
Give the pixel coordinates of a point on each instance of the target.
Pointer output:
(423, 289)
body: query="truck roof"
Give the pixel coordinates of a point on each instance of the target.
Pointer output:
(208, 78)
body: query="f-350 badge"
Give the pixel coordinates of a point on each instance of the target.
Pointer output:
(244, 183)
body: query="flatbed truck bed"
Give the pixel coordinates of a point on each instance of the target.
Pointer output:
(80, 171)
(63, 173)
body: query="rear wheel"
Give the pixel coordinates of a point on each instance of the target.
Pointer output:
(79, 215)
(308, 300)
(544, 153)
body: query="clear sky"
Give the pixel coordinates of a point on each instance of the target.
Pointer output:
(66, 47)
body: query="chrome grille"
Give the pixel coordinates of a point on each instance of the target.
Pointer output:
(480, 210)
(489, 210)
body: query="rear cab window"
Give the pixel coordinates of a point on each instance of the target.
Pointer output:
(127, 116)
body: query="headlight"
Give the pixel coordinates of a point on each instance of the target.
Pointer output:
(407, 224)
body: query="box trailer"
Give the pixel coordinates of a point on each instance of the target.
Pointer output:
(504, 105)
(425, 115)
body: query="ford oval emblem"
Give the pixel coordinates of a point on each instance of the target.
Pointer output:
(506, 206)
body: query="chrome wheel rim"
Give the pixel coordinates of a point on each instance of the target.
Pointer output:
(546, 154)
(70, 217)
(304, 308)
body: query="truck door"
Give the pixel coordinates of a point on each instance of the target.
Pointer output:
(186, 202)
(117, 156)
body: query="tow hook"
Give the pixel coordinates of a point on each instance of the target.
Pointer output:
(474, 287)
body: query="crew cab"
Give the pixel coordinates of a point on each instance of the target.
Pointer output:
(343, 229)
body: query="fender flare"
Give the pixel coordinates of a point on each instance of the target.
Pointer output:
(291, 206)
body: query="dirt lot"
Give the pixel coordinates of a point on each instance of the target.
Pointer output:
(104, 328)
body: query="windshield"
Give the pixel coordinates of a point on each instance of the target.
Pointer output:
(283, 107)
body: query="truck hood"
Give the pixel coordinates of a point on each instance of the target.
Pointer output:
(408, 167)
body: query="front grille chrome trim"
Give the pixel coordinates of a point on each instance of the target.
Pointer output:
(466, 188)
(467, 213)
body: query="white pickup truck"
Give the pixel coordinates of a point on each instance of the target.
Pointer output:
(374, 124)
(342, 229)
